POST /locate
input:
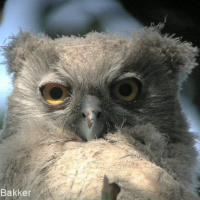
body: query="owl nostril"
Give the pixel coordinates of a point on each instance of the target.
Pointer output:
(98, 115)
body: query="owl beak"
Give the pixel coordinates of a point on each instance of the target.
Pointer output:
(91, 124)
(91, 118)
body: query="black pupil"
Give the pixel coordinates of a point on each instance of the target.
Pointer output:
(56, 93)
(125, 90)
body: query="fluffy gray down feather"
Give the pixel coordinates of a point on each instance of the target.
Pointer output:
(53, 166)
(145, 163)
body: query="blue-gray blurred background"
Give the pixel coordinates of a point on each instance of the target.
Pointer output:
(77, 17)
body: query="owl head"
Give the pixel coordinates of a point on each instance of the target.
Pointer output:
(98, 83)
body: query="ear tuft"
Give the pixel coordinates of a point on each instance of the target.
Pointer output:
(17, 51)
(179, 56)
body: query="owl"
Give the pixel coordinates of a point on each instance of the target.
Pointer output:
(102, 105)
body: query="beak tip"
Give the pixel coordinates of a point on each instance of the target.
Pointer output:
(90, 129)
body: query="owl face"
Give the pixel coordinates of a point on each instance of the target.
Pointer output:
(99, 83)
(90, 111)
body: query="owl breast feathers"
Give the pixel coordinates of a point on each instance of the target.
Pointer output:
(103, 107)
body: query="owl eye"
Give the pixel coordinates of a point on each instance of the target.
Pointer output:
(54, 93)
(126, 90)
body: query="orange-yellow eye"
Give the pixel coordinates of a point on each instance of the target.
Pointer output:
(54, 93)
(126, 90)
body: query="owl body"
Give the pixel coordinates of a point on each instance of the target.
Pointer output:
(76, 97)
